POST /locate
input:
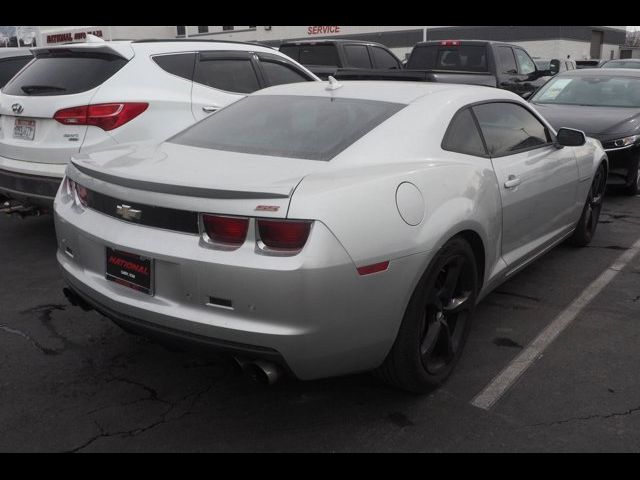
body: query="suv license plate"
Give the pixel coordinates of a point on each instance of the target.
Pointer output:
(24, 129)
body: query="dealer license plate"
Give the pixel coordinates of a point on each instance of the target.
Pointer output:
(130, 270)
(24, 129)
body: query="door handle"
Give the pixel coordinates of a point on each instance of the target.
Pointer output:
(512, 182)
(210, 108)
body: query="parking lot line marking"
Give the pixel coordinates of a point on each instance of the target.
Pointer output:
(514, 370)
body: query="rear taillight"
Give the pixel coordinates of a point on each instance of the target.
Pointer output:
(284, 234)
(77, 192)
(107, 116)
(227, 230)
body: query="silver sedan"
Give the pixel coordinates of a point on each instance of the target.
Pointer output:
(327, 228)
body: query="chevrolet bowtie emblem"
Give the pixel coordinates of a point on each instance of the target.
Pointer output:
(128, 213)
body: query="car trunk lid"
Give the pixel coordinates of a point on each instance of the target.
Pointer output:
(211, 180)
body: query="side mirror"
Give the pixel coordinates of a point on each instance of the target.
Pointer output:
(568, 137)
(554, 66)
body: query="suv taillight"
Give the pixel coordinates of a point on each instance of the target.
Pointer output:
(227, 230)
(107, 116)
(284, 234)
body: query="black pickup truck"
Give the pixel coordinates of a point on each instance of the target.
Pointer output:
(476, 62)
(325, 57)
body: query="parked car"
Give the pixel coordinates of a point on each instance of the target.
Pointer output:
(327, 228)
(85, 97)
(622, 63)
(604, 103)
(325, 57)
(11, 61)
(475, 62)
(589, 63)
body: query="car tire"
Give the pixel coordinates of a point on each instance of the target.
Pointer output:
(436, 323)
(588, 223)
(634, 184)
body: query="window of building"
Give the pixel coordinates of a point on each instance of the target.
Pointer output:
(227, 28)
(181, 29)
(203, 29)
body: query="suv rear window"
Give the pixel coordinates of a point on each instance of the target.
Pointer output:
(64, 73)
(311, 128)
(326, 54)
(464, 58)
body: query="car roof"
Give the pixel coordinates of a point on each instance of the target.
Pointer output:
(387, 91)
(314, 41)
(163, 46)
(595, 72)
(14, 52)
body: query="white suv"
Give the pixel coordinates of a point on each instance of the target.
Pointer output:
(84, 97)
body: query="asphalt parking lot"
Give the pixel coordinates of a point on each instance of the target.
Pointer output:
(72, 381)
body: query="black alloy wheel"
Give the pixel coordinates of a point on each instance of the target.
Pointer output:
(588, 223)
(436, 323)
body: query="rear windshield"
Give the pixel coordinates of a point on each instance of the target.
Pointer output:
(311, 128)
(312, 54)
(64, 73)
(592, 90)
(464, 58)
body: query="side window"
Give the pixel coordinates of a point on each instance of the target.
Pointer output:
(384, 59)
(509, 128)
(11, 66)
(357, 56)
(462, 135)
(278, 73)
(232, 75)
(180, 64)
(525, 64)
(506, 60)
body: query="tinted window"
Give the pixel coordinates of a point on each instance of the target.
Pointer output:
(509, 128)
(291, 51)
(591, 90)
(64, 73)
(472, 58)
(357, 56)
(278, 73)
(463, 136)
(383, 59)
(525, 63)
(180, 64)
(232, 75)
(10, 66)
(319, 55)
(508, 62)
(312, 128)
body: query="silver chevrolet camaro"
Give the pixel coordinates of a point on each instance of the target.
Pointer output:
(327, 228)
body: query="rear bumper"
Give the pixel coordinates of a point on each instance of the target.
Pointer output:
(312, 311)
(29, 182)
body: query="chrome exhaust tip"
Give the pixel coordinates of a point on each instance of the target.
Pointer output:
(263, 372)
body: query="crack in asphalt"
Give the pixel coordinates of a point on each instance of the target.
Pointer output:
(45, 313)
(163, 417)
(518, 295)
(152, 395)
(588, 417)
(35, 343)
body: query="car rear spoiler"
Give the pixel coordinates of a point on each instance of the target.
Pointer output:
(121, 49)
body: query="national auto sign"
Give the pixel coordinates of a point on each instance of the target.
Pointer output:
(72, 36)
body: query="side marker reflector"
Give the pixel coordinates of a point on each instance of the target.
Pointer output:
(375, 268)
